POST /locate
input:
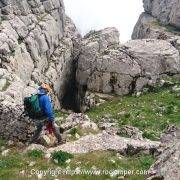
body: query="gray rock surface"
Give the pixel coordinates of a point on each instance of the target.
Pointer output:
(92, 99)
(105, 141)
(34, 147)
(131, 132)
(90, 126)
(122, 69)
(148, 27)
(32, 51)
(155, 57)
(109, 125)
(166, 11)
(167, 165)
(159, 21)
(37, 42)
(171, 133)
(74, 119)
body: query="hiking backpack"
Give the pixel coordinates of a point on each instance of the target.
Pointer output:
(32, 107)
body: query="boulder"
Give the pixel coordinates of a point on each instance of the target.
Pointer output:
(122, 69)
(159, 21)
(92, 99)
(176, 89)
(34, 147)
(171, 133)
(89, 126)
(106, 125)
(73, 120)
(156, 57)
(31, 51)
(47, 140)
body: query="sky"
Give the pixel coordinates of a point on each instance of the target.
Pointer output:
(98, 14)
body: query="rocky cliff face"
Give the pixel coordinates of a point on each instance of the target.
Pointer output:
(159, 21)
(37, 42)
(166, 11)
(106, 66)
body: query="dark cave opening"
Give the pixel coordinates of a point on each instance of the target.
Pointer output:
(69, 99)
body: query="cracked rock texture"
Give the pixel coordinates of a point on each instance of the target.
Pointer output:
(37, 42)
(106, 66)
(105, 141)
(73, 120)
(161, 20)
(166, 11)
(167, 165)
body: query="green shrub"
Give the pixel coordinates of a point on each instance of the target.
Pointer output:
(150, 135)
(3, 18)
(61, 157)
(35, 153)
(172, 29)
(146, 161)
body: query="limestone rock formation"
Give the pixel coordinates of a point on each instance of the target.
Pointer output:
(105, 141)
(37, 42)
(148, 27)
(166, 11)
(73, 120)
(132, 132)
(161, 20)
(167, 165)
(122, 69)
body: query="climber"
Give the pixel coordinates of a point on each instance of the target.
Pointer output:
(47, 111)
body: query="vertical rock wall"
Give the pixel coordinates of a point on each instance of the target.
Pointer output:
(166, 11)
(38, 42)
(161, 20)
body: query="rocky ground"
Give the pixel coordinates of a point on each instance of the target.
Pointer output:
(76, 67)
(130, 132)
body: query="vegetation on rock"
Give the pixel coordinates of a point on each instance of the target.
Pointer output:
(152, 112)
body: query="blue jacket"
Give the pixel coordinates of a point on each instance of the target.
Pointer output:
(45, 104)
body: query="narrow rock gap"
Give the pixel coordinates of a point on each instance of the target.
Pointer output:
(69, 99)
(132, 86)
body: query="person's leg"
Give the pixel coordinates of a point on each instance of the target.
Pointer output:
(39, 127)
(57, 132)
